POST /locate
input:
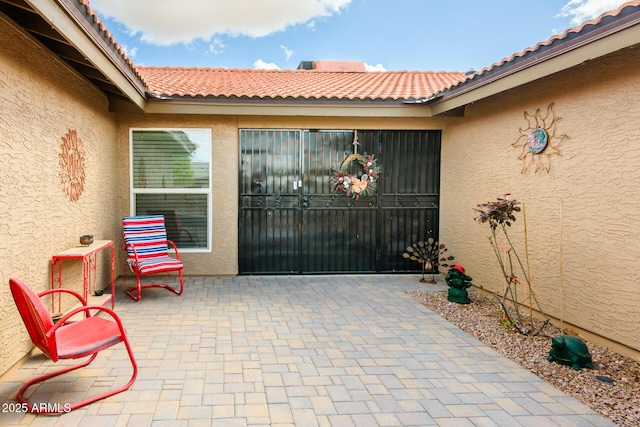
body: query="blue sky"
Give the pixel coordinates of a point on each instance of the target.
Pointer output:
(436, 35)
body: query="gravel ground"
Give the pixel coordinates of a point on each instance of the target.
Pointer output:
(618, 401)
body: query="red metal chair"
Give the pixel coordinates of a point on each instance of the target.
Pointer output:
(68, 340)
(145, 239)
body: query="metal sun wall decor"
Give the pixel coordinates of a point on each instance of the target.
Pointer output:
(72, 166)
(539, 141)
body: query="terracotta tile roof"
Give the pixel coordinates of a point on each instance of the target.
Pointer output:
(326, 81)
(295, 84)
(93, 18)
(608, 21)
(324, 84)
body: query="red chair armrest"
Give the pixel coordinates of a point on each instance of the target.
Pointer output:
(168, 242)
(175, 248)
(86, 308)
(79, 297)
(133, 248)
(66, 291)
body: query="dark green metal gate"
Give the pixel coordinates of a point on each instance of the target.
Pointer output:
(292, 221)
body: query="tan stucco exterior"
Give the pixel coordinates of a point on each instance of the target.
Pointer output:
(41, 100)
(582, 240)
(581, 213)
(223, 257)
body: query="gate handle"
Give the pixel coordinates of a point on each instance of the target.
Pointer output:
(296, 183)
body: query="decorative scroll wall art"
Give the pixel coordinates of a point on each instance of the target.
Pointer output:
(72, 166)
(539, 140)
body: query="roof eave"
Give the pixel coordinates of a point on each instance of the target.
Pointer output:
(70, 21)
(536, 65)
(285, 107)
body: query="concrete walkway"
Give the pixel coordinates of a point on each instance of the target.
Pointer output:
(299, 351)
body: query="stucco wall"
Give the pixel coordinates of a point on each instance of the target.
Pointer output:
(40, 100)
(583, 212)
(223, 258)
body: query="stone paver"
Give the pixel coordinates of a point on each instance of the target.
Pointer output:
(298, 351)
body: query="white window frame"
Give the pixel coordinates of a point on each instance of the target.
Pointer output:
(208, 191)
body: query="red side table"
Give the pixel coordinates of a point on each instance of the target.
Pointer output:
(88, 256)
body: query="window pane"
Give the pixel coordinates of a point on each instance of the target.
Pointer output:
(171, 158)
(185, 216)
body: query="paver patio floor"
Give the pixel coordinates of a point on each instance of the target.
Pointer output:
(298, 351)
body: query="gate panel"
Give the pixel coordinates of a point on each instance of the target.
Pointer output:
(269, 223)
(409, 194)
(339, 233)
(292, 221)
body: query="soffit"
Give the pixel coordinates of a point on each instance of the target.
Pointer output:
(62, 26)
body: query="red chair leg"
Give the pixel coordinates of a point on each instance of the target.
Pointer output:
(137, 288)
(59, 409)
(23, 389)
(181, 283)
(135, 293)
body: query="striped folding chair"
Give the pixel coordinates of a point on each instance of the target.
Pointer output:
(145, 239)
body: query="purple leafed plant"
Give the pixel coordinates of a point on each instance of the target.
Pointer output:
(500, 215)
(499, 212)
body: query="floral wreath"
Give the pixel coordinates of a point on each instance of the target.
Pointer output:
(356, 186)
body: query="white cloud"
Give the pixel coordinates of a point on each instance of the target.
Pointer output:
(166, 22)
(377, 67)
(216, 46)
(261, 65)
(583, 10)
(288, 53)
(131, 53)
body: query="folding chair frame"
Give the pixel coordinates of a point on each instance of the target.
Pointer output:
(136, 292)
(147, 246)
